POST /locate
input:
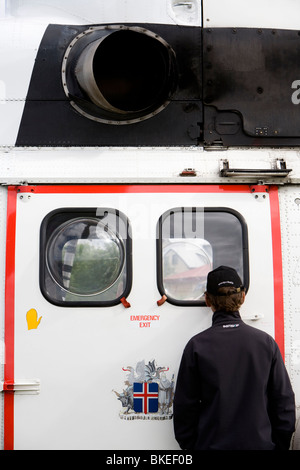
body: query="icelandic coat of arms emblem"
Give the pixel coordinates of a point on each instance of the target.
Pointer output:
(148, 392)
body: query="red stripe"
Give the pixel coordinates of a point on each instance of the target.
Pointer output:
(277, 269)
(172, 188)
(9, 318)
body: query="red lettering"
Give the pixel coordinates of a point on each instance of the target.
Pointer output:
(144, 324)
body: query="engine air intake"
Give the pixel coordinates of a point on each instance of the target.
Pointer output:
(123, 74)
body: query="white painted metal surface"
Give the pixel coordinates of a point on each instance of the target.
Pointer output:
(255, 14)
(290, 225)
(78, 353)
(93, 12)
(144, 165)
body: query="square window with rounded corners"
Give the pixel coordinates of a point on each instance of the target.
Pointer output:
(85, 257)
(191, 241)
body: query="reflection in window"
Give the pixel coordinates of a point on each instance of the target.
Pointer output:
(186, 264)
(86, 258)
(192, 242)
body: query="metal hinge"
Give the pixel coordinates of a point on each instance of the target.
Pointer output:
(24, 387)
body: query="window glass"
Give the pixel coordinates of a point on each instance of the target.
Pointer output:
(85, 257)
(192, 242)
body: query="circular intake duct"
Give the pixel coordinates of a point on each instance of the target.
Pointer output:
(119, 74)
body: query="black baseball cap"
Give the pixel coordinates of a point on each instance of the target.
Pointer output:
(223, 276)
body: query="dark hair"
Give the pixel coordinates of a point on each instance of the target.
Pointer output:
(230, 300)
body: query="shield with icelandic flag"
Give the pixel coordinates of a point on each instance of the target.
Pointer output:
(145, 397)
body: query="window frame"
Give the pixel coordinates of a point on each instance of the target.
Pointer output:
(159, 251)
(68, 214)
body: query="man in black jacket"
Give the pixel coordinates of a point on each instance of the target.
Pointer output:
(233, 391)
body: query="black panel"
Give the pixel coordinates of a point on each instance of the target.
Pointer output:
(50, 120)
(247, 86)
(249, 79)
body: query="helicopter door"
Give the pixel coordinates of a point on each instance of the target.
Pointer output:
(104, 287)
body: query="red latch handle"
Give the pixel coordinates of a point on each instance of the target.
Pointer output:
(162, 300)
(125, 303)
(7, 386)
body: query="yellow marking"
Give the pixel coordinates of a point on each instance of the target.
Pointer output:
(32, 319)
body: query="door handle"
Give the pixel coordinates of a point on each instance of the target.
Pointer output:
(24, 387)
(183, 4)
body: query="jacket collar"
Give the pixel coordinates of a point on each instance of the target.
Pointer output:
(220, 316)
